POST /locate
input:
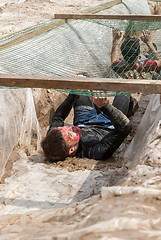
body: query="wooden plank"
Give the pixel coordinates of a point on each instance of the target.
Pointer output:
(105, 16)
(78, 83)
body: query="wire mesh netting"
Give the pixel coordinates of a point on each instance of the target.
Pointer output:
(68, 47)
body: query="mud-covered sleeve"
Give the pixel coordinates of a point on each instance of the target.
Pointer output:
(119, 120)
(113, 138)
(62, 112)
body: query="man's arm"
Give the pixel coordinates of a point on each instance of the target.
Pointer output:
(118, 119)
(62, 111)
(146, 38)
(103, 149)
(115, 44)
(110, 143)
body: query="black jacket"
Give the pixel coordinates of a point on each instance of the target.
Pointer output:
(96, 142)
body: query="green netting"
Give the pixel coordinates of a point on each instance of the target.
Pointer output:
(64, 48)
(93, 93)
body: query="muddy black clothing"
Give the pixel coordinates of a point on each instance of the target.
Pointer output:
(97, 141)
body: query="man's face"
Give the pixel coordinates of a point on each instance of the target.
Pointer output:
(71, 134)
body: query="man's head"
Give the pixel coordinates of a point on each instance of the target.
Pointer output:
(130, 49)
(61, 142)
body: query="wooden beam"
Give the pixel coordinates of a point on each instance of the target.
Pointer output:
(78, 83)
(105, 16)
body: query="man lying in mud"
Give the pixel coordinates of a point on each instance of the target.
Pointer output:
(98, 128)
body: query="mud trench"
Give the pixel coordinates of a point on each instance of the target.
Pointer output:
(95, 174)
(83, 198)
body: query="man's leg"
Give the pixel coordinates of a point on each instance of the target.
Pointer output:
(126, 104)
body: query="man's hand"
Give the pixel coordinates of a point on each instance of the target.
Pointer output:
(99, 101)
(117, 34)
(146, 36)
